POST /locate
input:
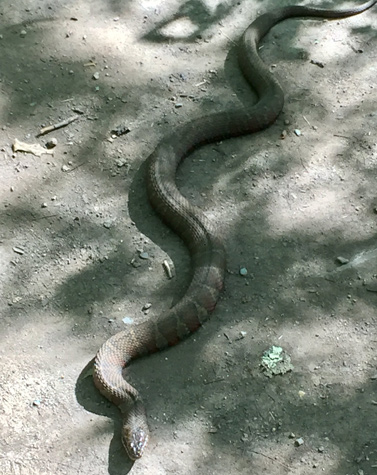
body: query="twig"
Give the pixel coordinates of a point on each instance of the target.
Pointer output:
(342, 136)
(59, 125)
(201, 83)
(229, 39)
(77, 166)
(46, 217)
(306, 120)
(271, 458)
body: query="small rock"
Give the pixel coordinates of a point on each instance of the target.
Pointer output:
(147, 306)
(18, 250)
(317, 63)
(286, 122)
(65, 168)
(321, 449)
(243, 271)
(23, 33)
(51, 143)
(121, 130)
(127, 320)
(299, 442)
(167, 269)
(241, 335)
(107, 224)
(144, 255)
(121, 162)
(96, 75)
(44, 205)
(297, 132)
(291, 435)
(342, 260)
(36, 402)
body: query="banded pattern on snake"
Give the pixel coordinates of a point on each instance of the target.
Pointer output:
(189, 222)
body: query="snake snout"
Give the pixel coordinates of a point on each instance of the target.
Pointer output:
(134, 441)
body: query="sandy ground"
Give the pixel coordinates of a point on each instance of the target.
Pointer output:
(73, 225)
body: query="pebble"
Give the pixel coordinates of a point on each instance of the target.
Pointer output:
(23, 33)
(51, 143)
(243, 271)
(147, 306)
(299, 442)
(342, 260)
(321, 449)
(317, 63)
(18, 250)
(167, 269)
(144, 255)
(127, 320)
(297, 132)
(107, 224)
(96, 75)
(121, 162)
(36, 402)
(241, 335)
(120, 130)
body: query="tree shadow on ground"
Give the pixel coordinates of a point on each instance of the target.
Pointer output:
(246, 395)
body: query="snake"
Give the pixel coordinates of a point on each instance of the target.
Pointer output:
(200, 235)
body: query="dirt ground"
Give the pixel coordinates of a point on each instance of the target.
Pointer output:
(74, 225)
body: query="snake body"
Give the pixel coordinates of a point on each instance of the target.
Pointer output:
(189, 222)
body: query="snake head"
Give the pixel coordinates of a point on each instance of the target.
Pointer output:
(134, 441)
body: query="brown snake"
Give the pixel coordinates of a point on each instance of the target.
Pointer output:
(189, 222)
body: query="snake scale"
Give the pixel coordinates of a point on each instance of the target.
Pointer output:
(199, 234)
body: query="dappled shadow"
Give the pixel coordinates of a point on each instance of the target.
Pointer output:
(235, 398)
(200, 16)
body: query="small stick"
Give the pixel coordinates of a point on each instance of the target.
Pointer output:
(77, 166)
(271, 458)
(306, 120)
(45, 217)
(59, 125)
(201, 83)
(342, 136)
(229, 39)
